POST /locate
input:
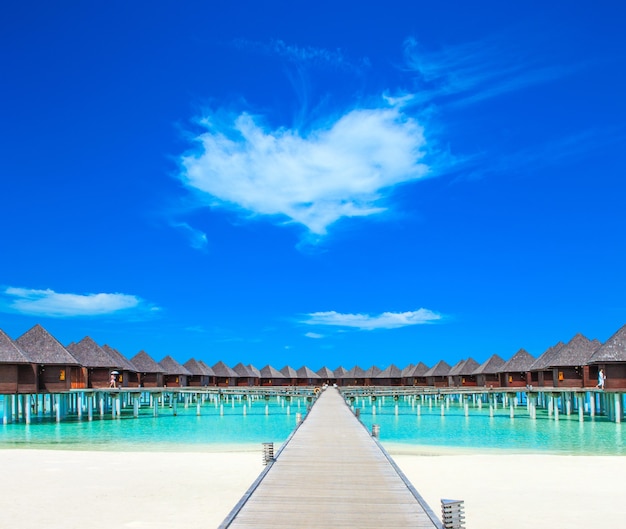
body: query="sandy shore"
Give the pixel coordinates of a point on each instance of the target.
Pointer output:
(93, 490)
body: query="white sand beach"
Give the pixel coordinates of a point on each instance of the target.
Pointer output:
(97, 490)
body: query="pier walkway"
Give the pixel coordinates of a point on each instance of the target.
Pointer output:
(332, 473)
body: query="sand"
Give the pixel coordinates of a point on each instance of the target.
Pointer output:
(93, 490)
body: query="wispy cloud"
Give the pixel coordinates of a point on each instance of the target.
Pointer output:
(366, 322)
(58, 305)
(197, 239)
(314, 335)
(343, 169)
(473, 71)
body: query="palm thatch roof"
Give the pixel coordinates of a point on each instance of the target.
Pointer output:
(613, 350)
(121, 362)
(440, 369)
(144, 363)
(372, 372)
(208, 368)
(420, 370)
(222, 370)
(408, 370)
(356, 372)
(491, 366)
(469, 367)
(454, 370)
(172, 367)
(545, 360)
(519, 363)
(90, 354)
(289, 372)
(339, 372)
(305, 372)
(324, 372)
(43, 348)
(391, 371)
(197, 369)
(10, 352)
(243, 371)
(576, 352)
(271, 372)
(255, 372)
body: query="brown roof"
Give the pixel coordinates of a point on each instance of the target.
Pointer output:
(391, 371)
(339, 372)
(121, 362)
(420, 370)
(222, 370)
(324, 372)
(613, 350)
(408, 370)
(372, 372)
(243, 371)
(208, 368)
(440, 369)
(544, 361)
(145, 364)
(90, 354)
(196, 368)
(356, 372)
(172, 367)
(289, 372)
(519, 363)
(305, 372)
(469, 366)
(43, 348)
(271, 372)
(454, 370)
(491, 366)
(10, 352)
(255, 372)
(576, 352)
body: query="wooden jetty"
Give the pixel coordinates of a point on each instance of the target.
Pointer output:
(331, 472)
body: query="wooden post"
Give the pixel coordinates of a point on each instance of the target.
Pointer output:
(90, 405)
(198, 402)
(581, 407)
(618, 407)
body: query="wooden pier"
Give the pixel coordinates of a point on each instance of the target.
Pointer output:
(333, 473)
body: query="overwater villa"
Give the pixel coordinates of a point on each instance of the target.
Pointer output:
(96, 363)
(270, 376)
(515, 372)
(149, 373)
(199, 376)
(437, 375)
(488, 373)
(175, 374)
(17, 372)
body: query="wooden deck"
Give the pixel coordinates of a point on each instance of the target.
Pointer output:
(331, 473)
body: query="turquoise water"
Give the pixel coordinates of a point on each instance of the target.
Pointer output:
(400, 430)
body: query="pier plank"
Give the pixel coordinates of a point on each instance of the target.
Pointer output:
(332, 472)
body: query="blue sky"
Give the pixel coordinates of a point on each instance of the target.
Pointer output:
(328, 183)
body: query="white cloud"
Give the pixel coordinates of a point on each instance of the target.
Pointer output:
(314, 335)
(50, 303)
(344, 169)
(197, 239)
(365, 322)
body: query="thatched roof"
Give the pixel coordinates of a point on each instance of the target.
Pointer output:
(519, 363)
(408, 370)
(289, 372)
(491, 366)
(10, 352)
(121, 362)
(420, 370)
(469, 366)
(208, 368)
(243, 371)
(339, 372)
(271, 372)
(326, 373)
(172, 367)
(356, 372)
(145, 364)
(90, 354)
(454, 370)
(196, 368)
(222, 370)
(613, 350)
(545, 360)
(440, 369)
(43, 348)
(372, 372)
(305, 372)
(391, 371)
(576, 352)
(255, 372)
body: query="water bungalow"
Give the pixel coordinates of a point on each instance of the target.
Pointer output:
(437, 375)
(290, 374)
(569, 364)
(371, 374)
(488, 373)
(150, 373)
(307, 377)
(270, 376)
(57, 370)
(127, 377)
(246, 376)
(464, 375)
(407, 375)
(224, 375)
(390, 376)
(541, 374)
(453, 375)
(354, 377)
(326, 375)
(611, 358)
(419, 374)
(199, 377)
(210, 373)
(255, 373)
(339, 372)
(17, 373)
(97, 365)
(515, 372)
(175, 374)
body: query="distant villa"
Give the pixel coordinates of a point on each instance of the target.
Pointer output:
(37, 362)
